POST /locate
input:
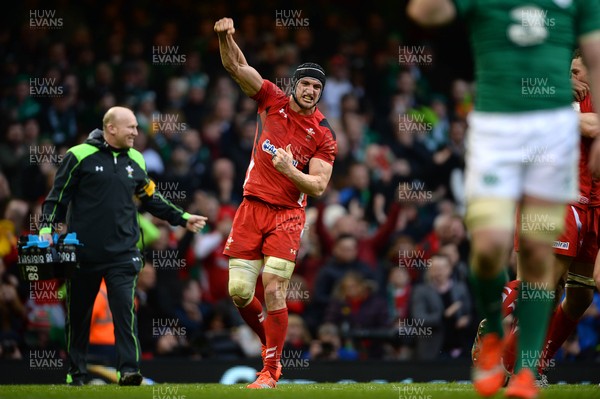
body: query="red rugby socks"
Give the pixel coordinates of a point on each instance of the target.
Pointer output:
(254, 317)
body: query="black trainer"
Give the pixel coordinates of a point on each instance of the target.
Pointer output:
(130, 378)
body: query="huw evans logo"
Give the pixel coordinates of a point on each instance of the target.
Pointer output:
(412, 392)
(413, 259)
(414, 191)
(537, 88)
(162, 392)
(44, 154)
(414, 328)
(413, 123)
(45, 360)
(171, 191)
(45, 87)
(414, 55)
(167, 55)
(167, 123)
(292, 359)
(291, 19)
(168, 259)
(44, 19)
(47, 291)
(162, 327)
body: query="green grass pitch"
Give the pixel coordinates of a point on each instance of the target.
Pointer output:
(283, 391)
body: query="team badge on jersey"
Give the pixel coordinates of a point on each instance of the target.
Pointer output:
(310, 134)
(129, 170)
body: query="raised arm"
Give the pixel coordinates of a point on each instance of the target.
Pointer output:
(431, 12)
(234, 61)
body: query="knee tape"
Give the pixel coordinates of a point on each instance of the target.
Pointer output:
(242, 277)
(280, 267)
(490, 213)
(542, 223)
(575, 280)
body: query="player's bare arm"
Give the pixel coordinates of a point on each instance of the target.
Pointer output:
(589, 124)
(431, 12)
(234, 61)
(314, 183)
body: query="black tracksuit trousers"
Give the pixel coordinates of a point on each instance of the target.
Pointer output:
(82, 288)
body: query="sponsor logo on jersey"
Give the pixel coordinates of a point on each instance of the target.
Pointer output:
(560, 245)
(282, 112)
(271, 149)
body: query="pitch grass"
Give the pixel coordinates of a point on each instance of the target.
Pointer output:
(283, 391)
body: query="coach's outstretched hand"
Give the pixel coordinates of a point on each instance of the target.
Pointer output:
(224, 26)
(195, 223)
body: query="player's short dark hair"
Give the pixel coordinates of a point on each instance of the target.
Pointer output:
(577, 53)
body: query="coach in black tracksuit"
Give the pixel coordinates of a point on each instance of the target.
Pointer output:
(94, 190)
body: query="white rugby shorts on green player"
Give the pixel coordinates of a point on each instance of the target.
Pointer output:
(534, 153)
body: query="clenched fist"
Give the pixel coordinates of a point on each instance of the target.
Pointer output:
(224, 26)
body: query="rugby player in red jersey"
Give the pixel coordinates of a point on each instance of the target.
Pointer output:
(292, 136)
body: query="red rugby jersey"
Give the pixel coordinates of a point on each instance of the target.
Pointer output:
(277, 126)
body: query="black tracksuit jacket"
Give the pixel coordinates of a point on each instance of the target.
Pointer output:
(94, 192)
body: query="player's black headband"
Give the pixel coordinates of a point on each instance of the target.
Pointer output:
(310, 70)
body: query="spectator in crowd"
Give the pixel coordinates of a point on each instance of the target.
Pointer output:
(399, 290)
(356, 306)
(13, 317)
(298, 339)
(192, 313)
(338, 84)
(369, 245)
(20, 106)
(443, 307)
(330, 346)
(208, 250)
(343, 260)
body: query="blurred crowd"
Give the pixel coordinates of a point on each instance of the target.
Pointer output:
(382, 271)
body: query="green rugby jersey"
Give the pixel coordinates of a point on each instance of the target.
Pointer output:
(523, 50)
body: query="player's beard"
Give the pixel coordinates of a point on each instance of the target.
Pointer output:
(303, 106)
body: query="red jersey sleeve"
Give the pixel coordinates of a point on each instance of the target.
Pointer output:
(586, 104)
(327, 149)
(268, 95)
